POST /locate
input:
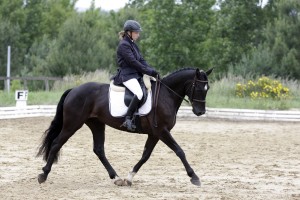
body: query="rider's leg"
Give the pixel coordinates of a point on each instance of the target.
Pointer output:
(134, 86)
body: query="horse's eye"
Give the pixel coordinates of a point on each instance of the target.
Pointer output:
(205, 87)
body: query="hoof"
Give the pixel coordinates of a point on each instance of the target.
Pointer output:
(127, 182)
(196, 181)
(42, 178)
(119, 182)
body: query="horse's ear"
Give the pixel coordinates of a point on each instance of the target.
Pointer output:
(209, 71)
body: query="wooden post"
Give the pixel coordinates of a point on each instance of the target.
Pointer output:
(5, 83)
(46, 84)
(25, 83)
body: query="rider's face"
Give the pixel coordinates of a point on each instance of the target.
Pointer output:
(135, 35)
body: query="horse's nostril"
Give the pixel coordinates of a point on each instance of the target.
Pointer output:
(202, 112)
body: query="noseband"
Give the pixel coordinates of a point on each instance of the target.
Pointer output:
(192, 87)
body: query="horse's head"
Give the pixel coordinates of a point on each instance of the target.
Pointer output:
(198, 90)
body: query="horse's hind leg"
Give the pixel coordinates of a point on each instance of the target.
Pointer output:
(98, 130)
(167, 138)
(58, 142)
(149, 146)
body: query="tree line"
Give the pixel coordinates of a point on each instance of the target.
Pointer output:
(51, 38)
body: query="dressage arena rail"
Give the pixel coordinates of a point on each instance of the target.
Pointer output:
(184, 112)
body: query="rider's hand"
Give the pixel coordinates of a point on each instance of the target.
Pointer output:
(154, 73)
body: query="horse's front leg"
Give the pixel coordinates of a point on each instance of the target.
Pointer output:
(98, 130)
(167, 138)
(149, 146)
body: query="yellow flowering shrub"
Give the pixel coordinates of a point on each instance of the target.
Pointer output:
(262, 89)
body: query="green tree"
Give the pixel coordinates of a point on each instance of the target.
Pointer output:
(36, 63)
(10, 35)
(282, 38)
(24, 24)
(79, 46)
(13, 11)
(55, 13)
(12, 19)
(174, 32)
(31, 29)
(236, 30)
(46, 19)
(279, 54)
(87, 41)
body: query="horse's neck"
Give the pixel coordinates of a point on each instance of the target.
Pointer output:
(179, 82)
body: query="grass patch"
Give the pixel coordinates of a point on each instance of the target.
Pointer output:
(34, 98)
(76, 80)
(222, 95)
(7, 99)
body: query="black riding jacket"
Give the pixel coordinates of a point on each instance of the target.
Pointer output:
(130, 61)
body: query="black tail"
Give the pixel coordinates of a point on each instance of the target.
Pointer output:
(53, 131)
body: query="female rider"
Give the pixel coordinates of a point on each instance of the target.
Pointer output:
(132, 66)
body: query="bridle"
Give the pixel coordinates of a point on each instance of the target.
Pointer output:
(191, 88)
(191, 98)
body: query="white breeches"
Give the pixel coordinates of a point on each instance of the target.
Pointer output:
(134, 86)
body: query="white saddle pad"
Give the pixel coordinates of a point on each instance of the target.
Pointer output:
(117, 106)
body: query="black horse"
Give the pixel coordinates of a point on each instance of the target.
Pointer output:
(89, 104)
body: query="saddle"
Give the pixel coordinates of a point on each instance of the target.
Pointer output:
(120, 97)
(129, 95)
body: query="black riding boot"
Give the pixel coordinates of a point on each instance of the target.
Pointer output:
(129, 124)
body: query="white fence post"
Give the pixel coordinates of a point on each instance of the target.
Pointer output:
(8, 70)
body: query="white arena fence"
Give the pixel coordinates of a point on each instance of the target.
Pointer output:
(184, 112)
(27, 111)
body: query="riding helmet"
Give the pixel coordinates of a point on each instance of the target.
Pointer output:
(132, 25)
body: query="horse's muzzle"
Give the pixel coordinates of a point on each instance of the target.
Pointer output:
(199, 112)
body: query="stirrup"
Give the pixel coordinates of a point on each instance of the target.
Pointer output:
(129, 124)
